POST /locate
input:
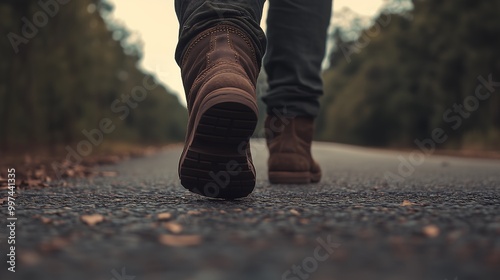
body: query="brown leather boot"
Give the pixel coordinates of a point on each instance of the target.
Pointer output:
(219, 69)
(289, 142)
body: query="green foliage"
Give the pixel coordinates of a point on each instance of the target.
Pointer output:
(392, 86)
(65, 78)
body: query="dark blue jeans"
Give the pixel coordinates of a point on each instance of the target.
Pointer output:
(296, 42)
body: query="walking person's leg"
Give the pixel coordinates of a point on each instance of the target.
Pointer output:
(296, 33)
(219, 51)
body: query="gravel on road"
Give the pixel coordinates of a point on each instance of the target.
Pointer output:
(439, 219)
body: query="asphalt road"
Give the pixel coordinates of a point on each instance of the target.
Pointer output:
(439, 220)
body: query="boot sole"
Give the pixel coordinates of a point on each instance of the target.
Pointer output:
(214, 162)
(284, 177)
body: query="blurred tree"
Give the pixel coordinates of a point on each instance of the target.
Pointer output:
(62, 67)
(396, 82)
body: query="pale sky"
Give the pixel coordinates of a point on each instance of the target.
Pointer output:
(155, 23)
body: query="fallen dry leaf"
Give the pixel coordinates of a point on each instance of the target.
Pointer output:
(45, 220)
(304, 221)
(431, 231)
(300, 239)
(164, 216)
(179, 240)
(39, 173)
(250, 220)
(29, 258)
(194, 212)
(57, 222)
(93, 219)
(27, 159)
(70, 173)
(173, 227)
(407, 203)
(32, 183)
(55, 244)
(63, 184)
(295, 212)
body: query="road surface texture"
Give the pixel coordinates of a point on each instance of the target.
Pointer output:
(439, 220)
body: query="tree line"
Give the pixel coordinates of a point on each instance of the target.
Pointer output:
(67, 73)
(64, 71)
(432, 69)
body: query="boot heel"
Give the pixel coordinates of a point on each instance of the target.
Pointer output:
(215, 162)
